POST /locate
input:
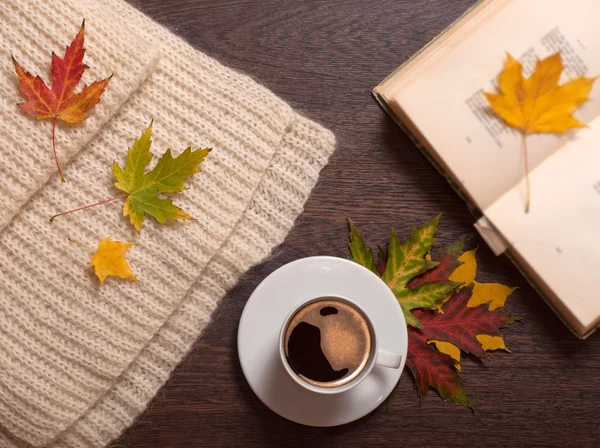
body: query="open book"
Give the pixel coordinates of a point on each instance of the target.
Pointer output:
(437, 97)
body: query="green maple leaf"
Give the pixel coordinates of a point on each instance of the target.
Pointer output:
(362, 254)
(144, 187)
(405, 262)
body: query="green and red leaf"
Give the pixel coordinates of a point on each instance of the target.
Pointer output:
(447, 260)
(402, 264)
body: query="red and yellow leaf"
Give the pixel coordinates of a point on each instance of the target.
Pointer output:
(68, 70)
(75, 108)
(60, 102)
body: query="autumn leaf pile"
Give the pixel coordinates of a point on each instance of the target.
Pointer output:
(447, 311)
(141, 189)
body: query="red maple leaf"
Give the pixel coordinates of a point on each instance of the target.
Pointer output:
(60, 102)
(457, 324)
(460, 324)
(431, 368)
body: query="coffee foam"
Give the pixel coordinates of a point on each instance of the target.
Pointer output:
(345, 338)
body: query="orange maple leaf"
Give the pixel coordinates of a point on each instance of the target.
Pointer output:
(60, 102)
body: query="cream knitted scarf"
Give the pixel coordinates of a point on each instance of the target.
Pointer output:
(79, 361)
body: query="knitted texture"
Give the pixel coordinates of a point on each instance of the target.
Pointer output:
(79, 361)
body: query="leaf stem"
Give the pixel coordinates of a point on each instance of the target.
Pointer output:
(79, 243)
(527, 187)
(52, 218)
(62, 178)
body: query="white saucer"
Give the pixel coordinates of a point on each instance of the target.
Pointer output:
(267, 308)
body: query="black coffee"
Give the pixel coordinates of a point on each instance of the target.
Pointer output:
(328, 343)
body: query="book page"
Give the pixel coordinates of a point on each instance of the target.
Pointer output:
(443, 94)
(560, 236)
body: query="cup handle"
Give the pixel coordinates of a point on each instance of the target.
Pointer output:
(388, 359)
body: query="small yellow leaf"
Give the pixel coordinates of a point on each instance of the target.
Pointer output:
(487, 342)
(465, 273)
(494, 293)
(449, 349)
(491, 342)
(109, 260)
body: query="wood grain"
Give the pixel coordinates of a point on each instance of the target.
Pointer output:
(324, 57)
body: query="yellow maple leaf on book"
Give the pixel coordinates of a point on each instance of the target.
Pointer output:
(538, 103)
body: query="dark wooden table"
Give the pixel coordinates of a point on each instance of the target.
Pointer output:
(324, 57)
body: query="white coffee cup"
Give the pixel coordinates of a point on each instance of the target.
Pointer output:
(377, 355)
